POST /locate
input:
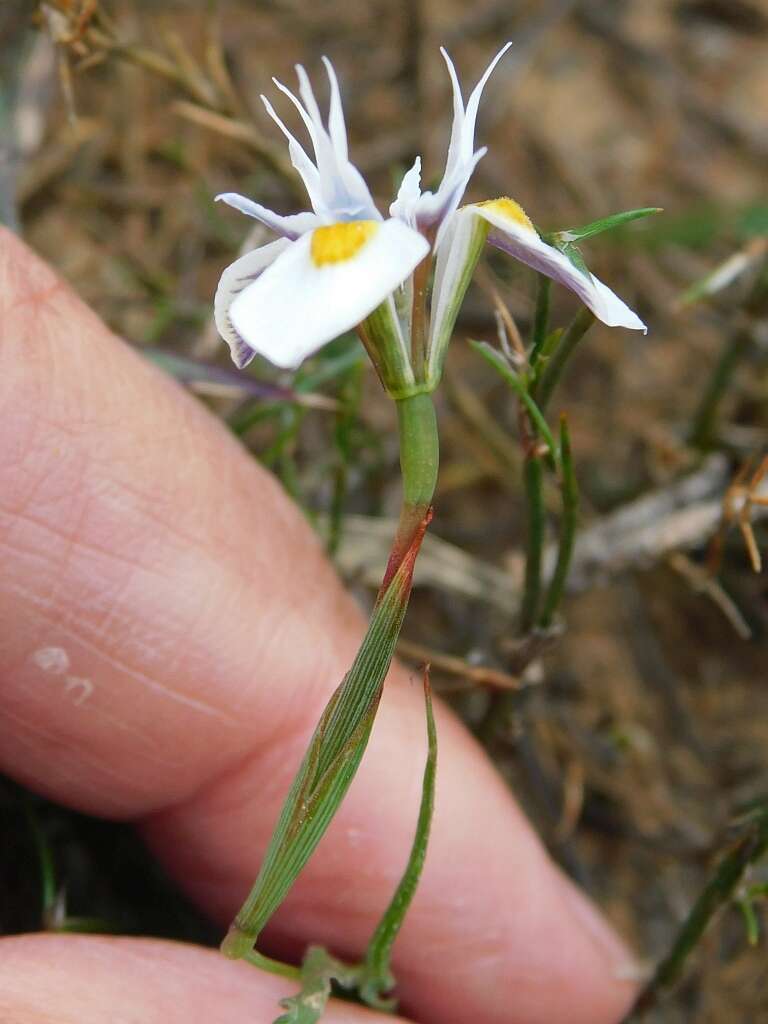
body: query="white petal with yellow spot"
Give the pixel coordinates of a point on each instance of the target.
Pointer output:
(323, 284)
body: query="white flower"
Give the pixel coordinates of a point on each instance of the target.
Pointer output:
(332, 267)
(341, 265)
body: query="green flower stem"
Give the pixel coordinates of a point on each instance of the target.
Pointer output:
(342, 733)
(419, 461)
(419, 452)
(541, 317)
(570, 500)
(547, 380)
(533, 473)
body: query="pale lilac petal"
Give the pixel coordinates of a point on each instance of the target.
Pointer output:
(524, 244)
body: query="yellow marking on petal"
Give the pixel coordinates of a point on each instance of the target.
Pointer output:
(340, 242)
(507, 207)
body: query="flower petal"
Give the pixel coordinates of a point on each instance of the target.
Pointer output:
(336, 124)
(408, 195)
(306, 169)
(289, 227)
(238, 276)
(457, 255)
(338, 191)
(462, 157)
(322, 285)
(512, 231)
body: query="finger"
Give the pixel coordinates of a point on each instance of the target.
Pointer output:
(173, 632)
(78, 979)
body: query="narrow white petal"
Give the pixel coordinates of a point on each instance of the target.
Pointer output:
(279, 121)
(296, 306)
(408, 194)
(473, 104)
(457, 127)
(310, 124)
(453, 193)
(300, 160)
(523, 243)
(336, 188)
(462, 157)
(336, 124)
(290, 226)
(238, 276)
(308, 96)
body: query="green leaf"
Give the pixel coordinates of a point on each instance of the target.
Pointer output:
(330, 763)
(596, 227)
(518, 385)
(569, 490)
(376, 978)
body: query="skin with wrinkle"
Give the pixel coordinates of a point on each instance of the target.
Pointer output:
(214, 629)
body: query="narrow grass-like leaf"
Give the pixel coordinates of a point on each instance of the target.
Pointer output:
(534, 548)
(552, 370)
(518, 385)
(596, 227)
(376, 978)
(570, 501)
(47, 870)
(717, 893)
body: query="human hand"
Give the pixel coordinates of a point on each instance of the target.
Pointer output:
(171, 632)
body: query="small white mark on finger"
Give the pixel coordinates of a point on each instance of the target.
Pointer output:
(54, 660)
(82, 688)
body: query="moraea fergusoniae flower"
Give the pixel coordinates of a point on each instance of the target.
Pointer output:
(342, 265)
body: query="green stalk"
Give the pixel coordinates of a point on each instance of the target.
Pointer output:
(341, 736)
(533, 473)
(570, 499)
(419, 460)
(547, 380)
(540, 317)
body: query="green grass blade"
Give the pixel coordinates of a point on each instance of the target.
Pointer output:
(376, 975)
